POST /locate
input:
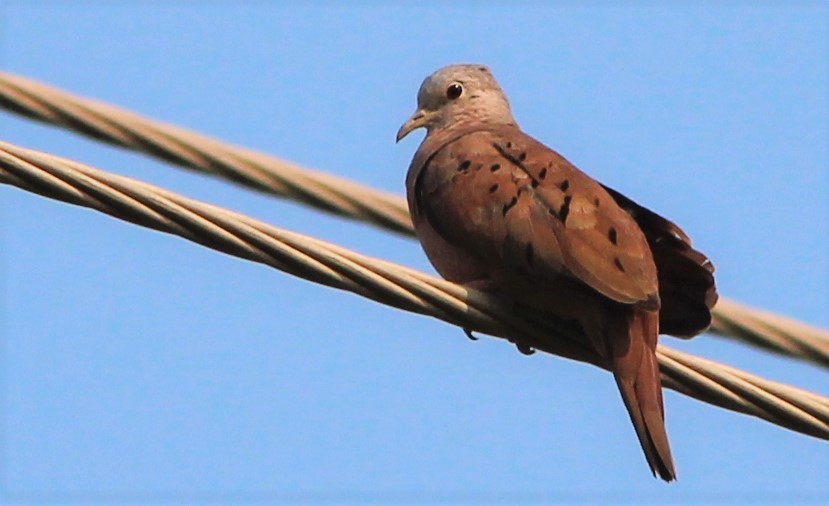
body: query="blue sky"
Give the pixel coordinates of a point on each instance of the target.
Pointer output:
(140, 367)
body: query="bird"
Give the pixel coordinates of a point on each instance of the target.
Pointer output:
(496, 210)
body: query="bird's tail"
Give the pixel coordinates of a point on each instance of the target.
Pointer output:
(631, 339)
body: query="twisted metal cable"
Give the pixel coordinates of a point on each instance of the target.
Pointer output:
(203, 154)
(390, 284)
(771, 332)
(330, 193)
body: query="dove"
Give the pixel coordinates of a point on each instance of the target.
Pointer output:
(496, 210)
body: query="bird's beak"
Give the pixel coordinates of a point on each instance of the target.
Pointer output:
(419, 119)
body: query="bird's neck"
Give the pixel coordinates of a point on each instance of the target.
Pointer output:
(467, 124)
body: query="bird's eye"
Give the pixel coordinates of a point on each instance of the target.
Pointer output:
(454, 91)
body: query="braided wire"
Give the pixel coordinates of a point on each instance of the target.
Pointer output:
(332, 194)
(203, 154)
(390, 284)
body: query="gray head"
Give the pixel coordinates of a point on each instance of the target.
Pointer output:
(458, 94)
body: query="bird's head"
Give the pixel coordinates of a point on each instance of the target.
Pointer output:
(457, 94)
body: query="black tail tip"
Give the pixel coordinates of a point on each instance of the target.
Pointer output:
(664, 472)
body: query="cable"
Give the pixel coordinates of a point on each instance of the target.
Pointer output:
(326, 192)
(389, 284)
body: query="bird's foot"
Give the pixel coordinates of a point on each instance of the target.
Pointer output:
(524, 348)
(469, 335)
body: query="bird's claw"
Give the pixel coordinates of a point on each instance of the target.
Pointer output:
(524, 348)
(469, 334)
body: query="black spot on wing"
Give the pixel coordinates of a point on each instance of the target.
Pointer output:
(518, 162)
(509, 205)
(565, 209)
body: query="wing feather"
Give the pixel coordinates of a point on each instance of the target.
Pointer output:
(511, 201)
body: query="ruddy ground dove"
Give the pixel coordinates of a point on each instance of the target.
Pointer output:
(498, 211)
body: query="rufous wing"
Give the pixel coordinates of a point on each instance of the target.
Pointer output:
(514, 202)
(686, 276)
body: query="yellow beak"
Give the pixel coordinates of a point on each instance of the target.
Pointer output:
(419, 119)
